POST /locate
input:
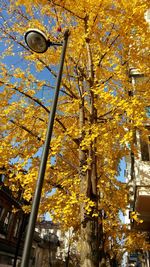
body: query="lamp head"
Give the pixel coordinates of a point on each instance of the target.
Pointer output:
(36, 40)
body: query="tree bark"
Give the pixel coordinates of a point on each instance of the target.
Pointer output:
(88, 245)
(91, 232)
(89, 225)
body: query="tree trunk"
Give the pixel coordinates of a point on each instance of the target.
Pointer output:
(89, 255)
(88, 238)
(91, 231)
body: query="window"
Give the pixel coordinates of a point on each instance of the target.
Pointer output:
(2, 177)
(145, 148)
(7, 220)
(148, 111)
(1, 212)
(147, 15)
(17, 227)
(4, 223)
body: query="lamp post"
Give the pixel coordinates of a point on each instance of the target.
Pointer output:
(39, 43)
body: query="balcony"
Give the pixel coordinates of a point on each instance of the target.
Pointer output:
(142, 207)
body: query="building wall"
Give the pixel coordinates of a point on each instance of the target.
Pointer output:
(65, 248)
(12, 230)
(138, 179)
(10, 224)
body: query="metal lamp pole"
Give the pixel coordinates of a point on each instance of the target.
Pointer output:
(38, 190)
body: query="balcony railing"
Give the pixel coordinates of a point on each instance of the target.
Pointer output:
(142, 207)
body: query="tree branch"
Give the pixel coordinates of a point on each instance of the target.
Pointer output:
(27, 130)
(67, 9)
(102, 57)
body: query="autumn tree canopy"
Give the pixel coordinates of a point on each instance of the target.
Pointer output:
(98, 107)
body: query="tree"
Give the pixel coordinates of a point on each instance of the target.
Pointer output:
(96, 115)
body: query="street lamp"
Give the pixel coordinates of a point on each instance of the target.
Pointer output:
(39, 43)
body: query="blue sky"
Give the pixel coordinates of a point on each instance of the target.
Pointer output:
(121, 177)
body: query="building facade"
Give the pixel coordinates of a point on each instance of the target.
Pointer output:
(12, 234)
(62, 251)
(138, 180)
(12, 226)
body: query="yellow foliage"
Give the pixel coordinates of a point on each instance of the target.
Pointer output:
(96, 116)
